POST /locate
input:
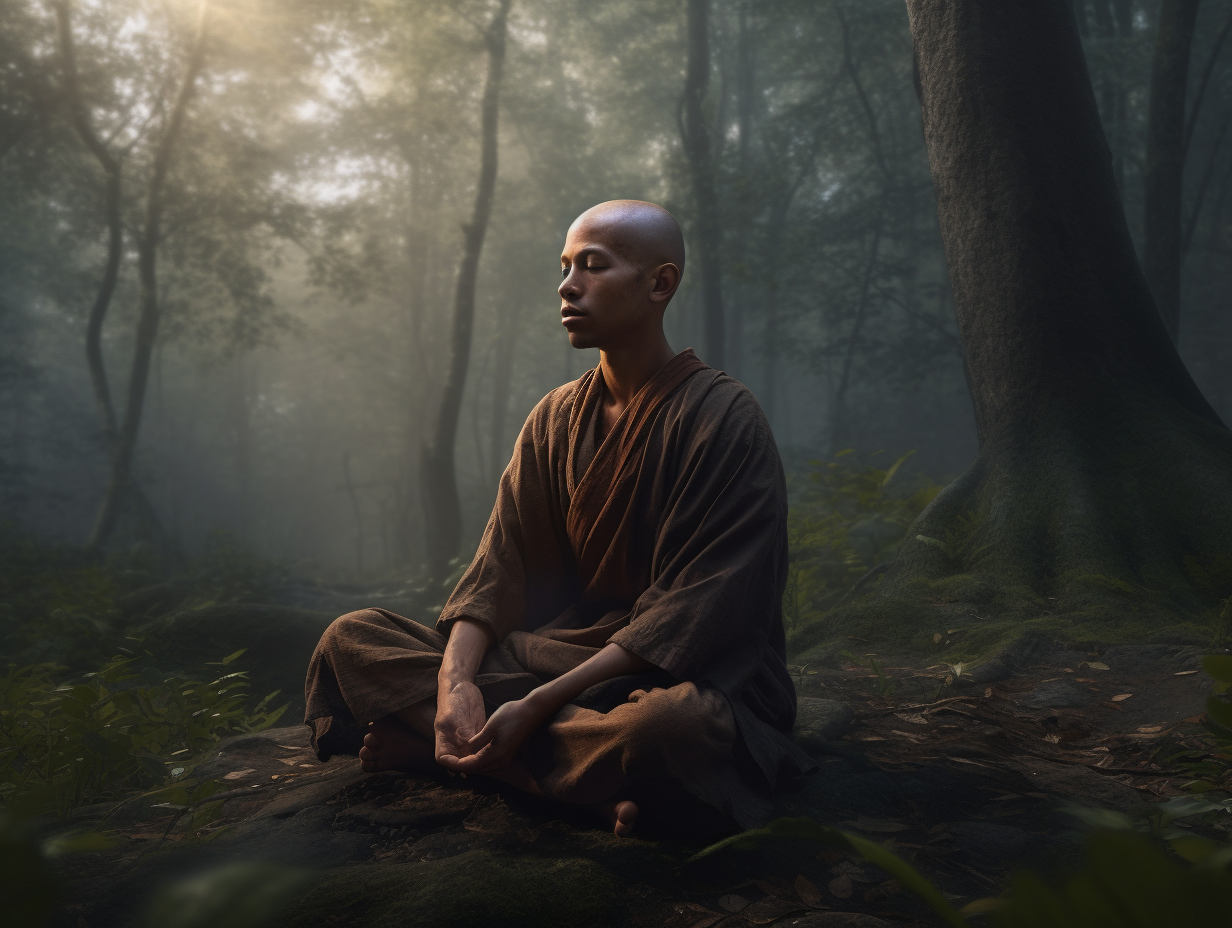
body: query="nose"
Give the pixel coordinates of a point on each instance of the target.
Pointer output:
(568, 287)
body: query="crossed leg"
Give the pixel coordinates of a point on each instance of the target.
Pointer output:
(405, 740)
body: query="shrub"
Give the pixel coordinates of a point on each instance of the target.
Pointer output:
(112, 732)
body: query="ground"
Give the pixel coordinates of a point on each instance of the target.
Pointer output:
(968, 781)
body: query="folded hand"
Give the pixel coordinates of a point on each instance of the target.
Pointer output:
(459, 717)
(496, 745)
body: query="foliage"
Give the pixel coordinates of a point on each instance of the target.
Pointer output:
(1211, 766)
(113, 731)
(848, 521)
(1129, 879)
(55, 604)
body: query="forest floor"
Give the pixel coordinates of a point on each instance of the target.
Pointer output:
(969, 782)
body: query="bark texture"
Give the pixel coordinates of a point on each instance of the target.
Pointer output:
(1165, 157)
(442, 508)
(1104, 479)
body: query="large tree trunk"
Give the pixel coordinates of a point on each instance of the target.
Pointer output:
(442, 508)
(1165, 158)
(1103, 485)
(696, 135)
(125, 444)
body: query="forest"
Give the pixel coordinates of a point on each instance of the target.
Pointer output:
(278, 290)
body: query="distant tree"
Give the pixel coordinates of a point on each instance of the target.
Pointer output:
(697, 132)
(442, 507)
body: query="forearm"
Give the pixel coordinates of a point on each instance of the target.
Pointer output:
(468, 643)
(612, 661)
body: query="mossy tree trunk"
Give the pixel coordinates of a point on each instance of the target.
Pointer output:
(1103, 484)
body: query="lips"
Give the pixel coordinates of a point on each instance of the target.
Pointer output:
(570, 312)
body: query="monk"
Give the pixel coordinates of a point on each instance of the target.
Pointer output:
(618, 637)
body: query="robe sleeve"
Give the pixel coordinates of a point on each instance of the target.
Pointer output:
(719, 566)
(523, 573)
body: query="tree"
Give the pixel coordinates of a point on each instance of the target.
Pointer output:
(442, 507)
(124, 440)
(1103, 484)
(1165, 157)
(696, 133)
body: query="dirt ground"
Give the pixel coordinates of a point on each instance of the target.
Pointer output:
(968, 780)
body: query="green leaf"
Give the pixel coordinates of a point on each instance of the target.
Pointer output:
(874, 853)
(233, 657)
(1218, 666)
(1218, 711)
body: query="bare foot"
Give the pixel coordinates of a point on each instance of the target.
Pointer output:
(390, 745)
(622, 815)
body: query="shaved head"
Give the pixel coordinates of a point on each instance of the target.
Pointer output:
(646, 234)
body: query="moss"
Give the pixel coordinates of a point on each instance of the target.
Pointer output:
(474, 888)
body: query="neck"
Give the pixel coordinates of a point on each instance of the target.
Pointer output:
(628, 368)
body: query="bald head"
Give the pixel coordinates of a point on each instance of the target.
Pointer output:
(646, 234)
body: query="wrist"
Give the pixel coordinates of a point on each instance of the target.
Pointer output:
(450, 678)
(545, 700)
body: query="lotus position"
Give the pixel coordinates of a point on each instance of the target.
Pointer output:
(618, 637)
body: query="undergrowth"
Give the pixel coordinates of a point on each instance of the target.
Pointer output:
(114, 732)
(848, 520)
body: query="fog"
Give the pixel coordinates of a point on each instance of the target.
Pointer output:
(313, 206)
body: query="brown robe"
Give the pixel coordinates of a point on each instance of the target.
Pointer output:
(668, 537)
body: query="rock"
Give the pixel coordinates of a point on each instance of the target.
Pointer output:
(1056, 694)
(1003, 664)
(279, 642)
(422, 808)
(820, 720)
(836, 920)
(990, 842)
(275, 750)
(306, 839)
(477, 887)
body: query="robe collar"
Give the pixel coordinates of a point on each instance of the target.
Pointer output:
(599, 519)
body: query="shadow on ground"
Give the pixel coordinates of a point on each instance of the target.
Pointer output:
(968, 786)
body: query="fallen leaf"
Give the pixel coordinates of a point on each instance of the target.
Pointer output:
(1052, 739)
(733, 903)
(1184, 673)
(937, 638)
(1150, 729)
(1122, 697)
(987, 692)
(913, 719)
(808, 893)
(239, 774)
(1067, 670)
(768, 910)
(1095, 665)
(841, 887)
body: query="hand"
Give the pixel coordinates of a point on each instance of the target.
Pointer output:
(459, 716)
(496, 745)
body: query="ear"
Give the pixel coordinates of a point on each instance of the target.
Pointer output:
(665, 279)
